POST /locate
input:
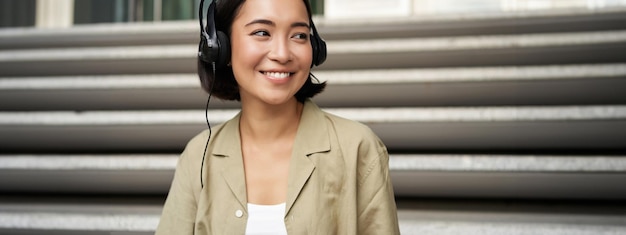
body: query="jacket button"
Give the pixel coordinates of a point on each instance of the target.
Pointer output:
(238, 213)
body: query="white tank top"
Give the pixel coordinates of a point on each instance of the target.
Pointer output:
(266, 219)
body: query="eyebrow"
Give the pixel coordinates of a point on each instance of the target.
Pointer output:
(271, 23)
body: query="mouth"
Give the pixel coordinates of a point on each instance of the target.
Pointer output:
(277, 75)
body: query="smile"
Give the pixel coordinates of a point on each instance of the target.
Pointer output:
(279, 75)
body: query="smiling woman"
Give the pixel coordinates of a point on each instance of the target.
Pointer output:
(257, 34)
(282, 165)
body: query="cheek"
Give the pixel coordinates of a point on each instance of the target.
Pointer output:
(245, 56)
(242, 51)
(306, 55)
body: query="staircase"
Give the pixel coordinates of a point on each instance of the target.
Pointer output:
(496, 124)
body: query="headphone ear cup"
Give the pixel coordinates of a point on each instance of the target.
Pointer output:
(204, 51)
(223, 57)
(319, 50)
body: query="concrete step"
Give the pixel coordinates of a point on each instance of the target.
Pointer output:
(499, 50)
(469, 128)
(483, 86)
(492, 23)
(509, 176)
(78, 215)
(122, 174)
(183, 32)
(422, 175)
(523, 49)
(511, 217)
(415, 217)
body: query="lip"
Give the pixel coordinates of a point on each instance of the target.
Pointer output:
(274, 79)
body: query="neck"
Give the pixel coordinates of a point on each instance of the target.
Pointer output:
(263, 122)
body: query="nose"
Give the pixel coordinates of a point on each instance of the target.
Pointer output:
(280, 51)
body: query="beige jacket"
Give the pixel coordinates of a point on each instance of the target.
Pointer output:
(338, 182)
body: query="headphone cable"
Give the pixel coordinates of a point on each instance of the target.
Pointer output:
(206, 116)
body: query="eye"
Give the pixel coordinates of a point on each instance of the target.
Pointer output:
(261, 33)
(301, 36)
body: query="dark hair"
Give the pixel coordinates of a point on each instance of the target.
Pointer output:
(226, 86)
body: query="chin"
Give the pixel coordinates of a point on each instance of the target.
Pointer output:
(278, 100)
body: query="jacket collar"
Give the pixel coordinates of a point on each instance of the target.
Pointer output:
(227, 150)
(312, 137)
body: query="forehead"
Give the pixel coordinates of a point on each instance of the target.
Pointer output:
(275, 10)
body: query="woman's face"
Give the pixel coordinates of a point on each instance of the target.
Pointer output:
(271, 52)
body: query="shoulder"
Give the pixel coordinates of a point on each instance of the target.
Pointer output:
(191, 159)
(344, 124)
(352, 130)
(197, 143)
(194, 149)
(360, 145)
(315, 121)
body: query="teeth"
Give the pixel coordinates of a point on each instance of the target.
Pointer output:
(277, 74)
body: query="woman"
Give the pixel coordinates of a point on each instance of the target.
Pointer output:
(281, 166)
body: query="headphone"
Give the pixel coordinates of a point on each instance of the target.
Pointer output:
(214, 47)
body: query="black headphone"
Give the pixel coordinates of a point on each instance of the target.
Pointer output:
(214, 45)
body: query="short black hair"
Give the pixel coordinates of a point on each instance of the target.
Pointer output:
(226, 86)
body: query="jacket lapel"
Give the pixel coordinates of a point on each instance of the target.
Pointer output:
(228, 152)
(312, 137)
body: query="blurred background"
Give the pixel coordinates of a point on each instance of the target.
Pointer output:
(500, 116)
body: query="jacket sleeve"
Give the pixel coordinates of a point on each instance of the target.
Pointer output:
(179, 211)
(377, 213)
